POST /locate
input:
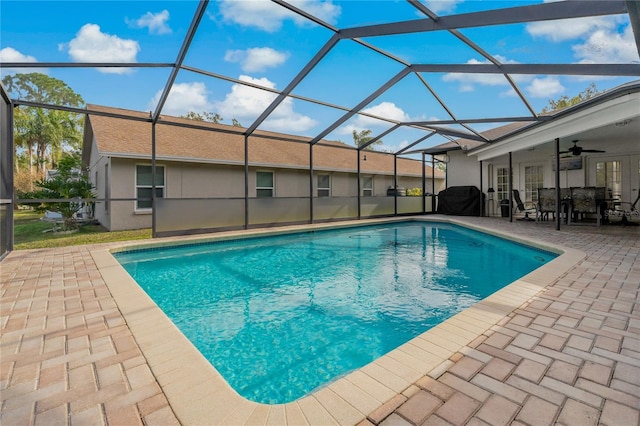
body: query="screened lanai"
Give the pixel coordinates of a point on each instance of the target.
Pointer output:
(306, 78)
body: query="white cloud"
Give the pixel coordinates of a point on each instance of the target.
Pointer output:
(468, 81)
(156, 22)
(184, 97)
(92, 45)
(387, 110)
(569, 29)
(604, 46)
(384, 110)
(256, 58)
(441, 6)
(268, 16)
(547, 87)
(9, 54)
(247, 103)
(598, 39)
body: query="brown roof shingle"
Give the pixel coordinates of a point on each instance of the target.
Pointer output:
(219, 143)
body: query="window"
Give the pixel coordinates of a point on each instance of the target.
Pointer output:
(264, 184)
(533, 179)
(143, 185)
(367, 186)
(503, 183)
(324, 186)
(609, 175)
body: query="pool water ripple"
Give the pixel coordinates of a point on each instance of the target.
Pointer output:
(281, 316)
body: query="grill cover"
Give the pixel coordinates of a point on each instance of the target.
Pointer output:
(460, 201)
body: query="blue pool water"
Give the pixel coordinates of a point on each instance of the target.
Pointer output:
(280, 316)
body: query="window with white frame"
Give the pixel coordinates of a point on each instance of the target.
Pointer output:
(533, 179)
(324, 186)
(502, 183)
(264, 184)
(609, 175)
(367, 186)
(144, 189)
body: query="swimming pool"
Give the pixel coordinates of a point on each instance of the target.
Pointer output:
(280, 316)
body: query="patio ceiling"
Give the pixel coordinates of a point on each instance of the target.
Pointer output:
(414, 63)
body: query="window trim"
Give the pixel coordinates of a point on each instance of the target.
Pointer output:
(136, 186)
(318, 188)
(273, 183)
(502, 193)
(532, 196)
(367, 189)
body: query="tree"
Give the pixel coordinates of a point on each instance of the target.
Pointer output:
(45, 134)
(68, 183)
(205, 116)
(362, 137)
(565, 102)
(210, 117)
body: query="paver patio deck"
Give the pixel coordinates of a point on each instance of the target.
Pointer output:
(570, 354)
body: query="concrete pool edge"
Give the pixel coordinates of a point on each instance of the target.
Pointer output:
(198, 394)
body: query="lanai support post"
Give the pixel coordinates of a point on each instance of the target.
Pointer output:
(433, 184)
(395, 185)
(557, 176)
(153, 180)
(358, 186)
(510, 186)
(310, 183)
(481, 192)
(246, 181)
(424, 184)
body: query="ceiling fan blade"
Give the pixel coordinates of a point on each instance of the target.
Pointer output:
(592, 150)
(564, 152)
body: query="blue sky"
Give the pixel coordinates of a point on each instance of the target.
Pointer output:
(263, 43)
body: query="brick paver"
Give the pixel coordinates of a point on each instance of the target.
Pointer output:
(570, 355)
(67, 355)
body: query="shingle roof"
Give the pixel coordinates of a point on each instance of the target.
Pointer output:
(215, 143)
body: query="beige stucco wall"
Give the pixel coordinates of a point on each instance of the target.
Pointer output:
(99, 178)
(196, 180)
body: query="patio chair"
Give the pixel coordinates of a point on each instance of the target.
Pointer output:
(588, 200)
(625, 211)
(523, 207)
(546, 203)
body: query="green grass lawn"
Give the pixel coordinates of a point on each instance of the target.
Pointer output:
(31, 232)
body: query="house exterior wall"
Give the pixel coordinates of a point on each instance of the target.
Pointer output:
(197, 180)
(99, 172)
(462, 170)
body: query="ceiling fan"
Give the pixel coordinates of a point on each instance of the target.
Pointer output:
(577, 150)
